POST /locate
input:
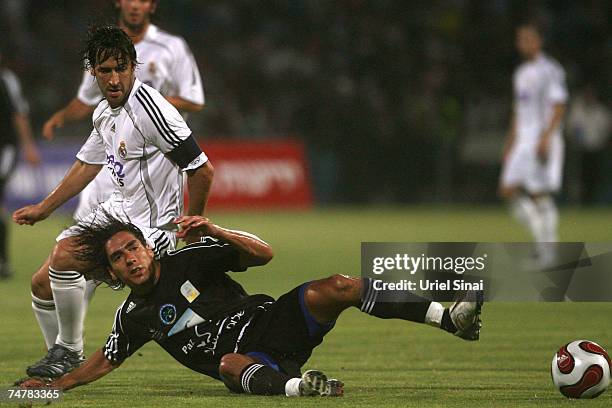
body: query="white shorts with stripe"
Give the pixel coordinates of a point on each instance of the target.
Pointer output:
(522, 168)
(160, 240)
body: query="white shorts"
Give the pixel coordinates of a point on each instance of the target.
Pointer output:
(523, 169)
(96, 192)
(160, 240)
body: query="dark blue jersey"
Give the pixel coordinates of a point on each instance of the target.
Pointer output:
(195, 312)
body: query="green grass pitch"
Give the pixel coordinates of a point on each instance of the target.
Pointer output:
(382, 362)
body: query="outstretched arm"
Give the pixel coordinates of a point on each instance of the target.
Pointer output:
(75, 110)
(79, 175)
(24, 131)
(96, 366)
(253, 250)
(183, 105)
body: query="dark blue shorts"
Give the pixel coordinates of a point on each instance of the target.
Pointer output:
(284, 334)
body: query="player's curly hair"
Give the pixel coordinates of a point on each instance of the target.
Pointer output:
(104, 41)
(91, 241)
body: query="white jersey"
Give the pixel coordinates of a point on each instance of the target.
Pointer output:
(165, 63)
(145, 145)
(539, 84)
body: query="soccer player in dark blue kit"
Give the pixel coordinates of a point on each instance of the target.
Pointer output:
(188, 304)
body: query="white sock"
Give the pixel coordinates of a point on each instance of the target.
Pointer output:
(550, 221)
(434, 314)
(526, 212)
(292, 387)
(550, 218)
(45, 313)
(68, 291)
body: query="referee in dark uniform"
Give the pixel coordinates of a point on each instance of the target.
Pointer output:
(15, 131)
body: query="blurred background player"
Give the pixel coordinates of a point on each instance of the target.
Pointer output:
(166, 64)
(589, 123)
(534, 149)
(15, 131)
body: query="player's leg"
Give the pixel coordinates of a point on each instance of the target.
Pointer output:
(68, 287)
(243, 373)
(517, 171)
(543, 183)
(325, 299)
(43, 304)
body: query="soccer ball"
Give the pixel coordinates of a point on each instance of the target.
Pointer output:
(581, 369)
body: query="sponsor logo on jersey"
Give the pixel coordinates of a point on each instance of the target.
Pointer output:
(122, 150)
(116, 169)
(167, 313)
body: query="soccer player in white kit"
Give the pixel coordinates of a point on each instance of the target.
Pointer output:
(165, 63)
(534, 149)
(144, 144)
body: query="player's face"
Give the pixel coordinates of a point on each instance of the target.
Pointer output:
(115, 79)
(135, 13)
(131, 261)
(528, 42)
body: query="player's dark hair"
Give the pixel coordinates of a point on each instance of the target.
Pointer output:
(105, 41)
(92, 239)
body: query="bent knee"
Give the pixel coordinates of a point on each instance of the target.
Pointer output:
(62, 258)
(343, 283)
(40, 285)
(232, 364)
(343, 287)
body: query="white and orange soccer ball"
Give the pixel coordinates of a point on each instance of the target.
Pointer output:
(581, 369)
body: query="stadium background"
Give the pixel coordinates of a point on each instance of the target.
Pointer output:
(402, 108)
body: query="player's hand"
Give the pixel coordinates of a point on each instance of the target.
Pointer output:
(30, 215)
(33, 382)
(55, 121)
(194, 226)
(543, 149)
(30, 153)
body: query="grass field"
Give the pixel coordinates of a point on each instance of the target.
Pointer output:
(383, 363)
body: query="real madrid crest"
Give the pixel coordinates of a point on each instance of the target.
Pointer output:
(122, 150)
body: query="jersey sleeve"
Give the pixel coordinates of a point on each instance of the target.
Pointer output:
(557, 90)
(13, 87)
(124, 339)
(89, 93)
(93, 150)
(210, 255)
(186, 74)
(164, 127)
